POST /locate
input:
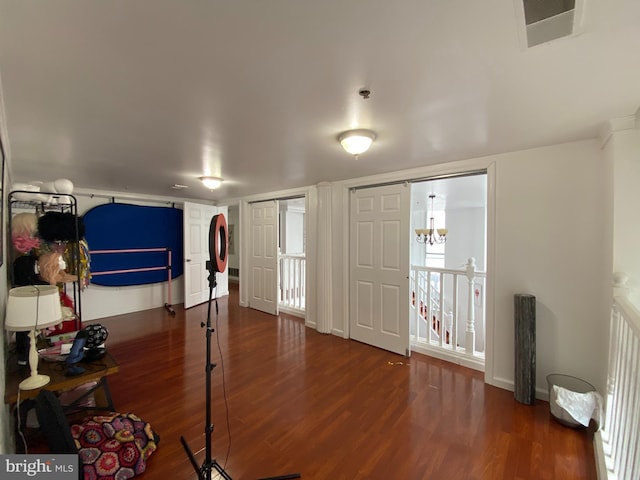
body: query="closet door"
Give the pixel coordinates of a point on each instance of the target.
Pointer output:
(379, 267)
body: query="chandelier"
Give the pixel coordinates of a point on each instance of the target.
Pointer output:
(431, 235)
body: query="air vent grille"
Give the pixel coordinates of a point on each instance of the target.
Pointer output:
(548, 20)
(538, 10)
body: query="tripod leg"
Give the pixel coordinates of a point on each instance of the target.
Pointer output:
(220, 470)
(192, 459)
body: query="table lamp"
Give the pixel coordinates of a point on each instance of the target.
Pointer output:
(30, 309)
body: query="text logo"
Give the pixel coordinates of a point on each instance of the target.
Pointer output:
(53, 467)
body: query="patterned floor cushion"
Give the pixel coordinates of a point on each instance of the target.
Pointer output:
(114, 447)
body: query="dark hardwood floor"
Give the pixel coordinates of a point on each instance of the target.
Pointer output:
(328, 408)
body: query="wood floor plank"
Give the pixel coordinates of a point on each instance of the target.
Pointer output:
(329, 408)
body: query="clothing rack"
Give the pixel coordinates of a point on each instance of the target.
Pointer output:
(167, 267)
(21, 201)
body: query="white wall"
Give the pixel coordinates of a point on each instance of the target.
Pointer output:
(547, 206)
(466, 238)
(234, 219)
(626, 247)
(547, 203)
(292, 241)
(547, 242)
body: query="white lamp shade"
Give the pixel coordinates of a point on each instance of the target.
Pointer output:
(356, 142)
(211, 182)
(33, 307)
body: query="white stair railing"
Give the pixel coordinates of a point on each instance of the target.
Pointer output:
(292, 282)
(619, 438)
(437, 317)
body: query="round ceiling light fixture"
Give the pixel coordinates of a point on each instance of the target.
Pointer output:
(356, 141)
(211, 182)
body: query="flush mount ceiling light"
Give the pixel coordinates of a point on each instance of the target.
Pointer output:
(357, 141)
(211, 182)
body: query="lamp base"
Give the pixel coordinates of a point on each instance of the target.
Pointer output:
(34, 381)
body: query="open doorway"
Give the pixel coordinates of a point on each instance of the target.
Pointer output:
(448, 275)
(271, 268)
(292, 264)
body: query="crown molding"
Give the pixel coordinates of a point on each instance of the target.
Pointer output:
(619, 124)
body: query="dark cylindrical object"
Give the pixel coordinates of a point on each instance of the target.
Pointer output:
(525, 348)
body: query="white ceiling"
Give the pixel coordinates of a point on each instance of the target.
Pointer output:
(136, 96)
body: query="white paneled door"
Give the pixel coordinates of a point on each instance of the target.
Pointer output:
(263, 259)
(379, 267)
(222, 278)
(196, 221)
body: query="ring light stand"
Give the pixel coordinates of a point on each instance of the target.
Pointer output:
(218, 249)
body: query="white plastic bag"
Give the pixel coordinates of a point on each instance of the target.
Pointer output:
(581, 406)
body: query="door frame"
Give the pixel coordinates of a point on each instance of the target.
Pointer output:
(343, 218)
(243, 243)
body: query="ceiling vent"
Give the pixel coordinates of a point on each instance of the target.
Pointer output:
(547, 20)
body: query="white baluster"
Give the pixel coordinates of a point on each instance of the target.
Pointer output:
(413, 317)
(455, 315)
(470, 332)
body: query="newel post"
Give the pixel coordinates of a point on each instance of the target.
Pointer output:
(470, 332)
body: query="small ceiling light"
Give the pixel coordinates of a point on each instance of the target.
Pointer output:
(211, 182)
(356, 142)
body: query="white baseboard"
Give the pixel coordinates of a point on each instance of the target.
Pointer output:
(598, 449)
(541, 393)
(338, 333)
(292, 311)
(458, 359)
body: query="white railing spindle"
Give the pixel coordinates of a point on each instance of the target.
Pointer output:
(470, 332)
(454, 313)
(620, 435)
(292, 282)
